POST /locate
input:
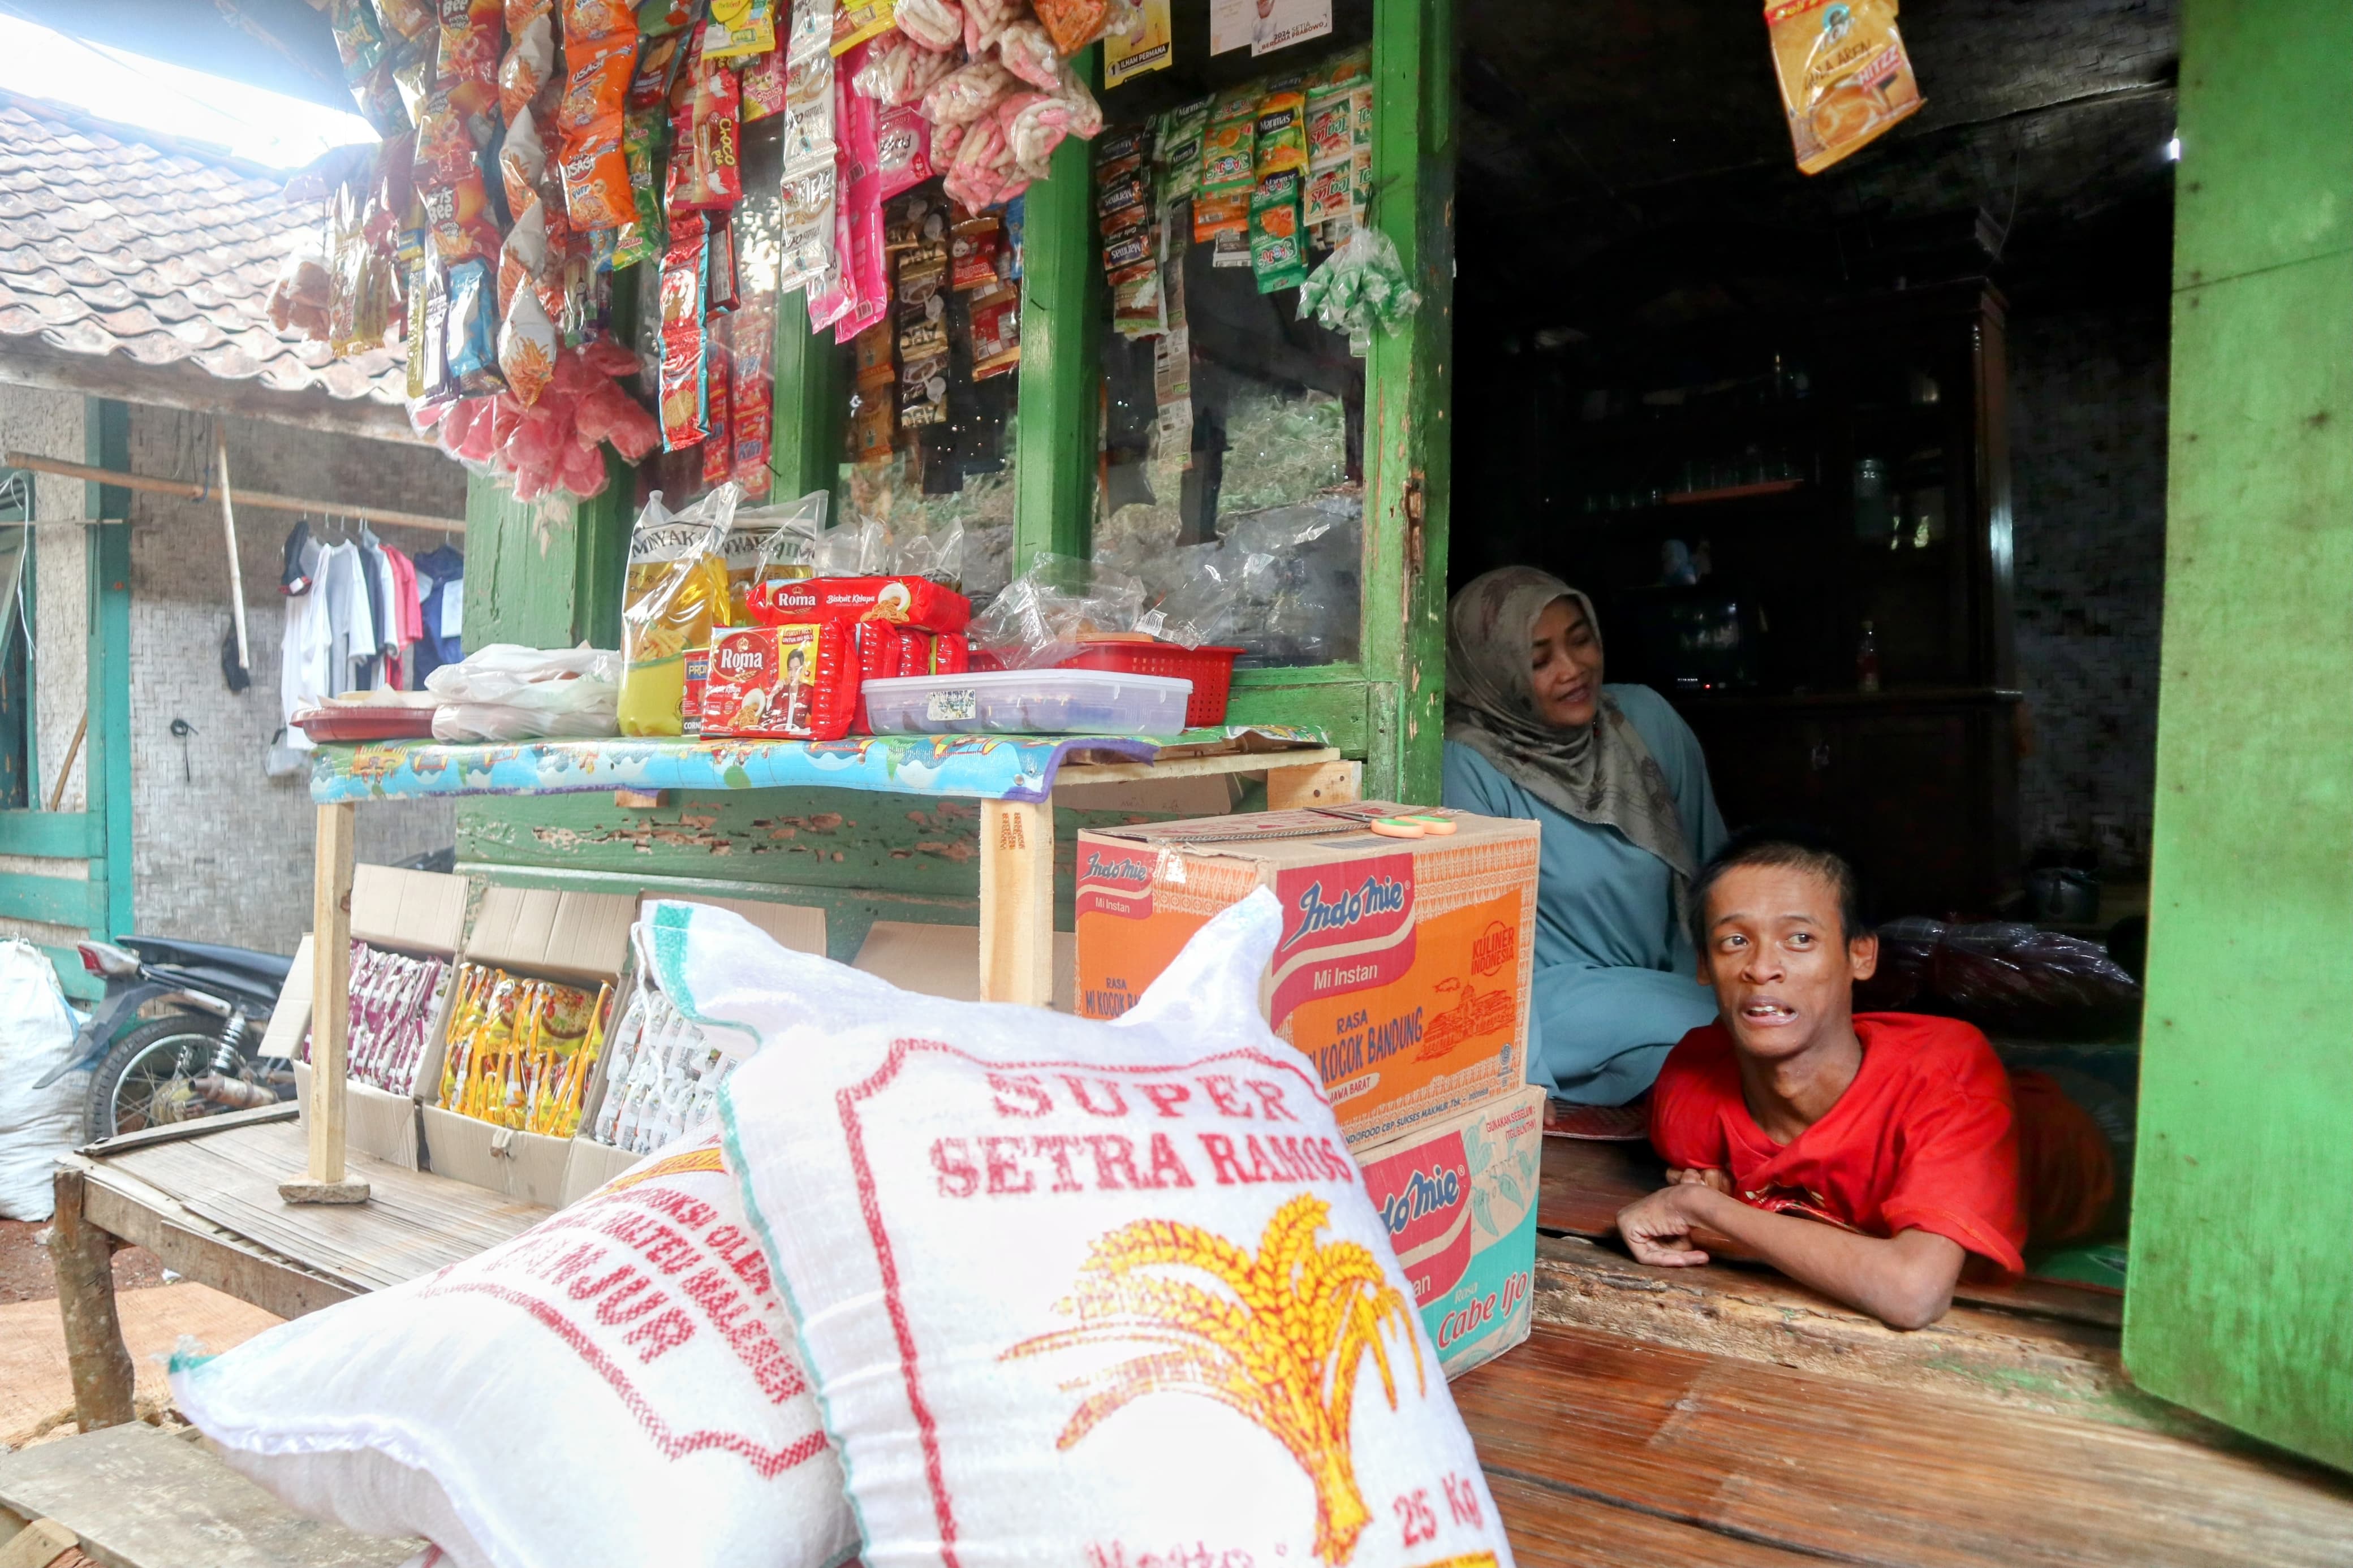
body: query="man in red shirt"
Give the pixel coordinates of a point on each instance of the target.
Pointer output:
(1868, 1156)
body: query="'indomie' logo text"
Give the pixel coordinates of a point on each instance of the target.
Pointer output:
(1377, 896)
(1121, 870)
(1422, 1195)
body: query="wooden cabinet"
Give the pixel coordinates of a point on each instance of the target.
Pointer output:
(1817, 474)
(1922, 788)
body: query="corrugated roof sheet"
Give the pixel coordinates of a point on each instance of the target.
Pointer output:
(112, 245)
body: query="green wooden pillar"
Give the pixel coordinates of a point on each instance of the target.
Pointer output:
(1407, 436)
(546, 574)
(810, 405)
(2240, 1303)
(106, 444)
(1062, 382)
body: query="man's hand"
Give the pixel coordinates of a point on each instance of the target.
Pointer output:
(1658, 1228)
(1717, 1179)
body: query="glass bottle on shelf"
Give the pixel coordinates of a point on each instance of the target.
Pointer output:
(1866, 660)
(1874, 517)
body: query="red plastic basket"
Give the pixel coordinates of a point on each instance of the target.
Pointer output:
(1210, 669)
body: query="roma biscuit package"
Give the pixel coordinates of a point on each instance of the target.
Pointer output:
(1405, 964)
(907, 601)
(618, 1383)
(1077, 1292)
(797, 681)
(1845, 78)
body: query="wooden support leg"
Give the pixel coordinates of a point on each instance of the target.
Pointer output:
(330, 1013)
(95, 1354)
(1317, 783)
(1017, 902)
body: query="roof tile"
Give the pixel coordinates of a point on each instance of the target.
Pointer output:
(111, 244)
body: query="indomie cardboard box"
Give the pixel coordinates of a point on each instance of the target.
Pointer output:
(1404, 966)
(1459, 1200)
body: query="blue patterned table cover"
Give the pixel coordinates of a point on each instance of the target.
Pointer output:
(975, 768)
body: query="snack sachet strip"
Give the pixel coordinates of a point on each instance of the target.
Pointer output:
(737, 29)
(1277, 243)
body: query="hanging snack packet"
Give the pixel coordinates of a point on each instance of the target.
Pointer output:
(527, 348)
(714, 175)
(468, 63)
(858, 20)
(473, 329)
(763, 77)
(409, 18)
(1845, 78)
(1177, 152)
(738, 29)
(641, 238)
(1281, 130)
(1331, 134)
(1278, 247)
(996, 330)
(805, 212)
(751, 396)
(973, 246)
(1228, 168)
(903, 149)
(1073, 23)
(675, 593)
(719, 369)
(524, 71)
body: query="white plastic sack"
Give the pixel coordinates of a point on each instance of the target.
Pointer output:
(36, 1125)
(525, 691)
(616, 1385)
(1079, 1292)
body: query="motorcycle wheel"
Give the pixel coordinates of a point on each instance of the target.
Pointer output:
(148, 1078)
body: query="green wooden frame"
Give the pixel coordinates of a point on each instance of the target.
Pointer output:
(548, 575)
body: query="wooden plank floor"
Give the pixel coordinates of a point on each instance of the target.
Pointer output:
(1605, 1450)
(413, 1223)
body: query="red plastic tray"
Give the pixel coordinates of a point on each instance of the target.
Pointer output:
(334, 725)
(1209, 668)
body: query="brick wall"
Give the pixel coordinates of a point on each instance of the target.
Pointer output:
(222, 851)
(2088, 465)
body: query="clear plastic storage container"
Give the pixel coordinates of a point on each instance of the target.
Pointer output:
(1027, 703)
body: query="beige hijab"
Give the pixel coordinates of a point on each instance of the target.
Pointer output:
(1600, 773)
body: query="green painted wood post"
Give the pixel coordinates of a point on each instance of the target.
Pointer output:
(546, 574)
(2240, 1302)
(810, 398)
(1061, 392)
(106, 444)
(1407, 438)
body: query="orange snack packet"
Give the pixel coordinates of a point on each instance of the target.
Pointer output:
(1845, 78)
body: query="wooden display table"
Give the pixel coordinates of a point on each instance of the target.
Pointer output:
(1013, 776)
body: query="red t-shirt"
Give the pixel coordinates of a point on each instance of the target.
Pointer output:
(1923, 1139)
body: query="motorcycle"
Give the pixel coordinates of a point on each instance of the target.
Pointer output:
(201, 1059)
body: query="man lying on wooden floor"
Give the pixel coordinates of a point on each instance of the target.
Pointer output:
(1870, 1156)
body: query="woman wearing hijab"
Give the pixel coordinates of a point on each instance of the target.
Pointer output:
(1617, 780)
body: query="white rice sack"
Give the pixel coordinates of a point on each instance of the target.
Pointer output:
(36, 1125)
(1083, 1293)
(617, 1384)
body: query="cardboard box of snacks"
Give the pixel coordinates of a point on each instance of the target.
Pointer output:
(589, 1164)
(573, 940)
(419, 915)
(1405, 964)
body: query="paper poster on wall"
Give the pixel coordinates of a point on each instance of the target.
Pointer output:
(1141, 46)
(1231, 22)
(1279, 23)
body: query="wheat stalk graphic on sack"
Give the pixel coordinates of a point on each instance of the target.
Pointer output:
(1283, 1350)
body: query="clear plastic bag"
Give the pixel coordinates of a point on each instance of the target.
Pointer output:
(937, 557)
(1044, 615)
(508, 692)
(676, 592)
(854, 550)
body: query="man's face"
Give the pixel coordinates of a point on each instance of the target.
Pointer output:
(1782, 969)
(1564, 666)
(1265, 8)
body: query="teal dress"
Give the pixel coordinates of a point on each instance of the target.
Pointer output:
(1614, 986)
